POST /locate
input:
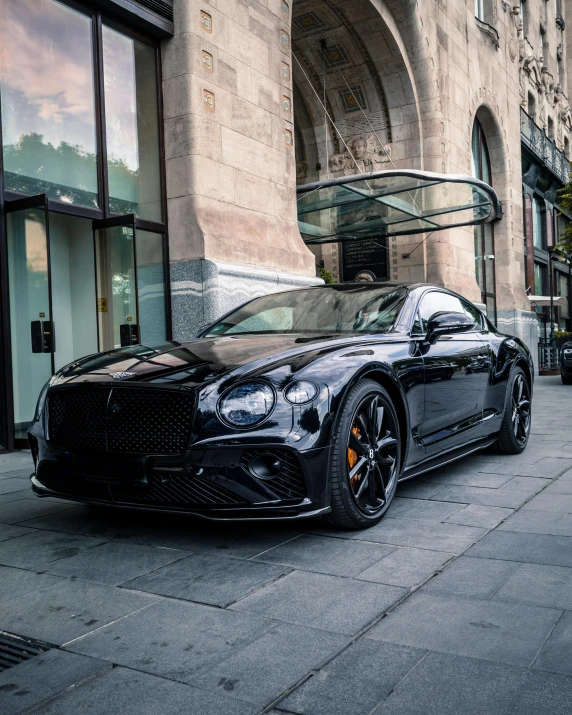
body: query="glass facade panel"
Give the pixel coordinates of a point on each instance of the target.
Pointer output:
(29, 303)
(48, 101)
(151, 288)
(72, 265)
(539, 279)
(132, 126)
(116, 284)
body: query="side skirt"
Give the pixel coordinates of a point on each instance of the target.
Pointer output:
(447, 458)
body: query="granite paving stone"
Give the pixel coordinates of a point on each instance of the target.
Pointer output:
(465, 476)
(539, 585)
(128, 692)
(423, 508)
(532, 548)
(564, 527)
(8, 531)
(476, 578)
(486, 517)
(11, 485)
(38, 549)
(528, 485)
(423, 534)
(450, 685)
(271, 664)
(503, 632)
(560, 486)
(16, 496)
(208, 578)
(173, 639)
(533, 522)
(25, 509)
(16, 461)
(551, 502)
(416, 489)
(114, 562)
(329, 603)
(15, 582)
(355, 681)
(545, 468)
(338, 557)
(34, 682)
(405, 567)
(484, 496)
(556, 654)
(68, 609)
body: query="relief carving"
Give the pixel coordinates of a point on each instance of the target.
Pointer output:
(364, 154)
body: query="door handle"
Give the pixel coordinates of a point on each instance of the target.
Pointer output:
(43, 336)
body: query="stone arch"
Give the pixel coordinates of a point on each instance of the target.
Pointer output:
(349, 58)
(352, 54)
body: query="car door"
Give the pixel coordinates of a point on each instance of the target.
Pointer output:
(456, 371)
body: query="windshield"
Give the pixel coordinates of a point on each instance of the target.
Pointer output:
(340, 309)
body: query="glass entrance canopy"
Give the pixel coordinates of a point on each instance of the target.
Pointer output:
(392, 203)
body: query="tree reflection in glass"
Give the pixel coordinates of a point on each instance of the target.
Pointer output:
(48, 103)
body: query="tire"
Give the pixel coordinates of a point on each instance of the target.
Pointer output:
(515, 428)
(566, 379)
(366, 434)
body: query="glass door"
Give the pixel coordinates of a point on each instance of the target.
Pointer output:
(116, 281)
(31, 326)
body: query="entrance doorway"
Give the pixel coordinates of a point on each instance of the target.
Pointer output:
(76, 287)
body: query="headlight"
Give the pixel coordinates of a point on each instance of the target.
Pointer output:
(41, 401)
(568, 353)
(300, 392)
(247, 404)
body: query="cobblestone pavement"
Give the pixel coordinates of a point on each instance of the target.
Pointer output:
(459, 602)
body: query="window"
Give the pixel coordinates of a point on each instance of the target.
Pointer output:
(539, 279)
(480, 9)
(550, 129)
(132, 126)
(59, 131)
(437, 302)
(538, 224)
(48, 101)
(484, 240)
(531, 104)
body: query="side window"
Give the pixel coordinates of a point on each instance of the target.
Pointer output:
(417, 328)
(435, 302)
(473, 312)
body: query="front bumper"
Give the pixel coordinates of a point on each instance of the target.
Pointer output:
(210, 482)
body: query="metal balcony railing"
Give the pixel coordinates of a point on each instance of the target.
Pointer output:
(545, 149)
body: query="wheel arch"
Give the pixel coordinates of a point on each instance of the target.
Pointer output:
(523, 363)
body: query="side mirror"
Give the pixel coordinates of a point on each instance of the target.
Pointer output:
(448, 324)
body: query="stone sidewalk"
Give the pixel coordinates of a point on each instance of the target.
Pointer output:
(459, 602)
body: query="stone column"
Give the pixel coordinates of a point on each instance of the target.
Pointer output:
(230, 161)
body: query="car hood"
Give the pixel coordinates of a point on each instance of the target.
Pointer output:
(204, 359)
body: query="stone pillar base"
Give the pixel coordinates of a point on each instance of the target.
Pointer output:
(522, 324)
(203, 290)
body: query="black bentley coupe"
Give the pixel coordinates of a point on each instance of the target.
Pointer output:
(297, 404)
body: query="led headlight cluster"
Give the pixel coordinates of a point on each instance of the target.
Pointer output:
(248, 404)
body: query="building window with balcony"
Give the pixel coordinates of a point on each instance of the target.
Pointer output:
(484, 239)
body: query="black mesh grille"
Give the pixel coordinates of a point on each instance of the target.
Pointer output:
(120, 420)
(179, 490)
(77, 418)
(289, 484)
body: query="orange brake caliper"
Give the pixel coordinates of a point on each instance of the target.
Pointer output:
(353, 458)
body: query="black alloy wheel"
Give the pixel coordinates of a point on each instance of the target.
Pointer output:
(367, 457)
(515, 429)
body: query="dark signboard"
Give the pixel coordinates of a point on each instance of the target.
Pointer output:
(368, 256)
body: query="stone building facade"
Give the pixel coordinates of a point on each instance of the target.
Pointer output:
(261, 95)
